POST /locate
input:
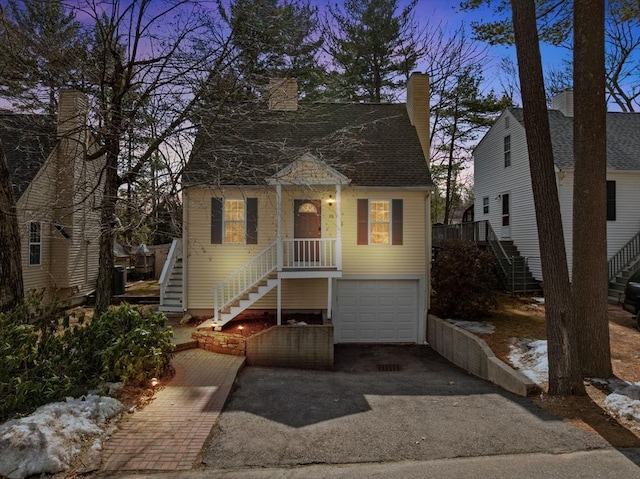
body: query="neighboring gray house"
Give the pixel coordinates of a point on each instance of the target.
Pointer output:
(57, 197)
(504, 197)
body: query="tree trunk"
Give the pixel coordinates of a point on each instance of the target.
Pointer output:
(11, 284)
(564, 369)
(448, 197)
(107, 227)
(590, 275)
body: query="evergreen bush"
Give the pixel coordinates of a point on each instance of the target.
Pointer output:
(464, 280)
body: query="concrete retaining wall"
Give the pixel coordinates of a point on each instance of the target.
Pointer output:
(472, 354)
(306, 347)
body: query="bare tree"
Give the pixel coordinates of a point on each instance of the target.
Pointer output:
(11, 285)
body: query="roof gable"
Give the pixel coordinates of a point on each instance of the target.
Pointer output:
(308, 170)
(623, 139)
(369, 144)
(28, 141)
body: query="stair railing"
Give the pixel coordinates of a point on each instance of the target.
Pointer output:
(624, 257)
(240, 281)
(175, 252)
(505, 262)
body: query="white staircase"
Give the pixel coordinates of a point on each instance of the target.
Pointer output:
(243, 288)
(171, 280)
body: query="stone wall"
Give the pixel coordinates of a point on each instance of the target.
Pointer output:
(223, 343)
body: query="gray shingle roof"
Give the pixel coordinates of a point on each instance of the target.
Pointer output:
(623, 139)
(372, 144)
(28, 141)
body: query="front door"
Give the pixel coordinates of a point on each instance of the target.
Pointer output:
(307, 225)
(506, 216)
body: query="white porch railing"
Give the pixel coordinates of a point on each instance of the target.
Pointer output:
(309, 253)
(175, 252)
(243, 279)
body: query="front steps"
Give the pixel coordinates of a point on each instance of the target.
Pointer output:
(249, 298)
(172, 300)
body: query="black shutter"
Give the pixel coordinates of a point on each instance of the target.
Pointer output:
(611, 200)
(216, 220)
(252, 220)
(363, 221)
(396, 222)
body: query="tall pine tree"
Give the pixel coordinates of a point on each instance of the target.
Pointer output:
(374, 46)
(275, 39)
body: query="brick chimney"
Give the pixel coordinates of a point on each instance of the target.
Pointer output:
(418, 108)
(563, 101)
(283, 94)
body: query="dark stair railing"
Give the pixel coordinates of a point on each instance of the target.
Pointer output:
(481, 232)
(628, 254)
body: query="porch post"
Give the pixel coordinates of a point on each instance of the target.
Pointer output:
(279, 302)
(338, 229)
(279, 229)
(329, 285)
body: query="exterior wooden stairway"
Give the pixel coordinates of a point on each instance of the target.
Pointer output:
(513, 268)
(171, 280)
(243, 288)
(621, 266)
(518, 276)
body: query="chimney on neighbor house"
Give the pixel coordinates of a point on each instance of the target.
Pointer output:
(418, 108)
(563, 101)
(283, 94)
(72, 112)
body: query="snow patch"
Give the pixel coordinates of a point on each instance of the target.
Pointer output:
(624, 400)
(48, 440)
(473, 326)
(530, 358)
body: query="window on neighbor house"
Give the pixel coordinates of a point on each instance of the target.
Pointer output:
(234, 221)
(485, 205)
(507, 151)
(506, 123)
(35, 243)
(380, 222)
(611, 200)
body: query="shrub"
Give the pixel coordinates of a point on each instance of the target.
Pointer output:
(38, 366)
(45, 359)
(464, 280)
(129, 344)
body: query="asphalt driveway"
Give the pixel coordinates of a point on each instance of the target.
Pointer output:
(383, 403)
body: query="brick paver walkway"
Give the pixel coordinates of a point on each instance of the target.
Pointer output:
(169, 433)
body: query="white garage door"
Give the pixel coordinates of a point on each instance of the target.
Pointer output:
(376, 311)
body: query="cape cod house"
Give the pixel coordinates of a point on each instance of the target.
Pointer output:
(504, 197)
(57, 197)
(320, 207)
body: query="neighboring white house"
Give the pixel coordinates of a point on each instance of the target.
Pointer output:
(502, 179)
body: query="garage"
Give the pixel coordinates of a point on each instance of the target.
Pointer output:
(377, 311)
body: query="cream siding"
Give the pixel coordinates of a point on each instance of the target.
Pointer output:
(35, 205)
(208, 263)
(63, 192)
